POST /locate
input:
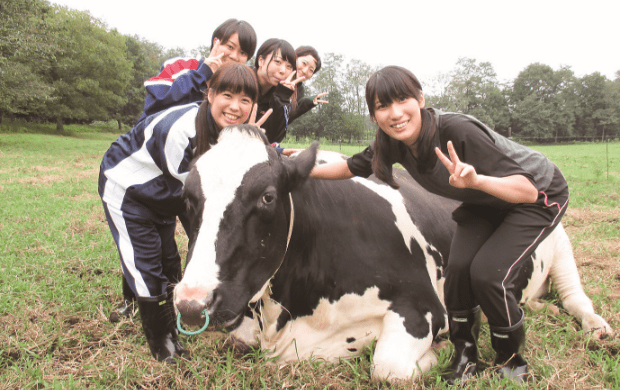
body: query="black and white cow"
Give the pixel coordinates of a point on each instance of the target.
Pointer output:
(329, 266)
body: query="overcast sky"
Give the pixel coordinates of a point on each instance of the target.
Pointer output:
(427, 37)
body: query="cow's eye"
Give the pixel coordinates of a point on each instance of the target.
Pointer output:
(268, 198)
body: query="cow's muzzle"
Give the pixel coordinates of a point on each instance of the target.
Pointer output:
(191, 303)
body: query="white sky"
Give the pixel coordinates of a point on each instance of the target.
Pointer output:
(427, 37)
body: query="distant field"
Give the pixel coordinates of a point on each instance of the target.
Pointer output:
(60, 279)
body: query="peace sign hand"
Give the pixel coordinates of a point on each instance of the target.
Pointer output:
(262, 120)
(290, 83)
(317, 101)
(462, 175)
(215, 60)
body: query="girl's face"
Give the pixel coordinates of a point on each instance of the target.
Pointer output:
(272, 72)
(229, 108)
(232, 50)
(306, 65)
(400, 119)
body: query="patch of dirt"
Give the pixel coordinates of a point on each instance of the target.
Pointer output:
(41, 180)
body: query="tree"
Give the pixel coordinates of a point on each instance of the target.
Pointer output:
(356, 75)
(472, 89)
(610, 117)
(145, 57)
(24, 47)
(90, 71)
(592, 105)
(543, 102)
(326, 120)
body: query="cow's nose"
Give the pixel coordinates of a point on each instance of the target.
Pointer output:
(192, 309)
(191, 312)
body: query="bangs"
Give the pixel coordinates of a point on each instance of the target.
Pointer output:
(247, 35)
(288, 53)
(271, 46)
(247, 38)
(391, 84)
(238, 79)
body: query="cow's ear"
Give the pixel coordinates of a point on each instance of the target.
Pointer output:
(298, 168)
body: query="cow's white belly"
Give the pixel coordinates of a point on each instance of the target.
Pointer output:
(334, 330)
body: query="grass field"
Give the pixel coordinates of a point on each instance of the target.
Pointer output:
(60, 279)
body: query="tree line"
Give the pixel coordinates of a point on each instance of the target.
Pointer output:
(64, 66)
(541, 104)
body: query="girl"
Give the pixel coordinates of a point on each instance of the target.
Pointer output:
(183, 80)
(275, 67)
(140, 184)
(513, 197)
(308, 64)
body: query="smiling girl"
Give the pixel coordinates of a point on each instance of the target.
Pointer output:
(140, 183)
(275, 67)
(512, 198)
(308, 64)
(183, 80)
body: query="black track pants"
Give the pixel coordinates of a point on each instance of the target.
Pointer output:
(490, 257)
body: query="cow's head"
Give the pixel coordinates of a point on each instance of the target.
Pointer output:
(239, 207)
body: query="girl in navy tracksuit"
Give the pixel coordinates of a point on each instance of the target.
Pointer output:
(512, 198)
(140, 183)
(184, 80)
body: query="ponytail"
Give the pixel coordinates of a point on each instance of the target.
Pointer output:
(427, 141)
(203, 143)
(385, 148)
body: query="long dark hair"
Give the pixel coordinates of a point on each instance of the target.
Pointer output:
(247, 35)
(271, 46)
(390, 84)
(302, 51)
(232, 77)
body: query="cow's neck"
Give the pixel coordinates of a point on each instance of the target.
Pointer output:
(265, 292)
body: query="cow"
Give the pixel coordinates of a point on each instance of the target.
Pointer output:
(310, 268)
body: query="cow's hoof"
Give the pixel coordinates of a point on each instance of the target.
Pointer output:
(597, 327)
(239, 345)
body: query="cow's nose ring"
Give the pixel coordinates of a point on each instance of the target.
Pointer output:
(193, 333)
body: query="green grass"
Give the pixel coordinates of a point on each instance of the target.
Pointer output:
(592, 171)
(60, 279)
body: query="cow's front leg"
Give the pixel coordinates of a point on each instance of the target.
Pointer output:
(398, 355)
(565, 276)
(246, 336)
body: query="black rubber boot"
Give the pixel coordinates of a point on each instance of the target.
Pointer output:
(509, 343)
(464, 331)
(159, 326)
(128, 307)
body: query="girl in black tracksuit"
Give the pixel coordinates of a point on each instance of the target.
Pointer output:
(275, 62)
(512, 198)
(308, 64)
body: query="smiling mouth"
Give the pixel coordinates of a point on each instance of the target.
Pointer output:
(400, 126)
(232, 118)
